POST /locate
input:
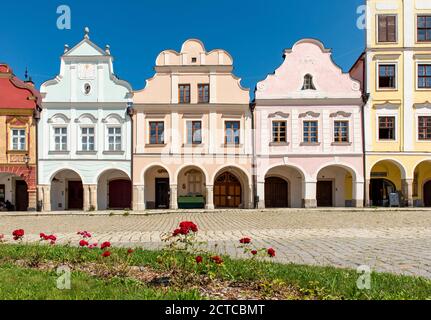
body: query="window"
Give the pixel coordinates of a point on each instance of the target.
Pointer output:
(157, 133)
(341, 131)
(194, 132)
(425, 128)
(204, 93)
(184, 93)
(18, 139)
(194, 60)
(114, 139)
(386, 128)
(424, 28)
(279, 131)
(424, 76)
(194, 181)
(232, 132)
(60, 139)
(87, 139)
(87, 88)
(387, 28)
(387, 77)
(308, 83)
(310, 132)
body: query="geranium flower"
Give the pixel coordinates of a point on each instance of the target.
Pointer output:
(18, 234)
(245, 241)
(83, 243)
(271, 252)
(84, 234)
(106, 254)
(217, 260)
(199, 259)
(254, 252)
(185, 228)
(105, 245)
(130, 251)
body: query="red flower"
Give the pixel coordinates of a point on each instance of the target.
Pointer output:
(42, 235)
(254, 252)
(52, 242)
(105, 245)
(83, 243)
(185, 228)
(18, 234)
(199, 259)
(176, 232)
(130, 251)
(106, 254)
(52, 238)
(271, 252)
(245, 241)
(217, 260)
(84, 234)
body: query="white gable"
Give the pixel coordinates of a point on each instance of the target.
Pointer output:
(85, 48)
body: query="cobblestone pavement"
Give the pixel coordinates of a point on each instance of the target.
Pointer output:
(388, 241)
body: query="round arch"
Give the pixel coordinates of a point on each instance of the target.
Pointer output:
(192, 166)
(399, 165)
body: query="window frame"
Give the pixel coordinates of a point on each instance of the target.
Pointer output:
(19, 137)
(394, 128)
(157, 142)
(108, 148)
(81, 136)
(204, 85)
(311, 84)
(418, 16)
(309, 134)
(54, 147)
(278, 131)
(186, 85)
(340, 141)
(235, 143)
(418, 64)
(387, 63)
(378, 41)
(419, 129)
(193, 142)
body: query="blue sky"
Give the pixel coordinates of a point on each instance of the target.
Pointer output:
(254, 32)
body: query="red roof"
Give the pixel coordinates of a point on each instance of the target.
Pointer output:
(15, 93)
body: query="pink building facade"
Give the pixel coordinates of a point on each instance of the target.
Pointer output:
(308, 133)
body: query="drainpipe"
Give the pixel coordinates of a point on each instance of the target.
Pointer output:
(130, 113)
(365, 98)
(254, 160)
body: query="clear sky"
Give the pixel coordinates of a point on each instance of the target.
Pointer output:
(253, 32)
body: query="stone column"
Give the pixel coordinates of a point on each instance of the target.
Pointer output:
(86, 206)
(407, 189)
(32, 200)
(261, 194)
(93, 197)
(310, 194)
(174, 197)
(139, 198)
(210, 198)
(367, 193)
(358, 194)
(45, 192)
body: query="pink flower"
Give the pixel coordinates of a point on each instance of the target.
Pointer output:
(84, 234)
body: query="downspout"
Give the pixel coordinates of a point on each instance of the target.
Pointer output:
(130, 113)
(36, 117)
(254, 160)
(365, 98)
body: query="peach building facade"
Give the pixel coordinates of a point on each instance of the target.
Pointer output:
(192, 133)
(308, 121)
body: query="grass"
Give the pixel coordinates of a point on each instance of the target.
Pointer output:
(323, 282)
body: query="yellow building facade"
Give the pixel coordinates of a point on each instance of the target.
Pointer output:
(397, 125)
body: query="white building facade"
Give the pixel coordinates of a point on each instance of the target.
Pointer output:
(84, 137)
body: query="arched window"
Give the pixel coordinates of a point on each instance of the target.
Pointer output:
(308, 83)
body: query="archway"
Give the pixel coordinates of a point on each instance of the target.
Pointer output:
(386, 179)
(427, 194)
(227, 191)
(191, 182)
(67, 192)
(335, 186)
(13, 193)
(114, 190)
(422, 184)
(157, 188)
(284, 187)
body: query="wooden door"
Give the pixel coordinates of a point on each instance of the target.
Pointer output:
(162, 193)
(75, 195)
(276, 193)
(227, 191)
(120, 194)
(427, 194)
(324, 194)
(21, 196)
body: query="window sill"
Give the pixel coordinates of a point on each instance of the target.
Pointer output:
(387, 90)
(341, 144)
(86, 152)
(17, 151)
(310, 144)
(194, 145)
(231, 145)
(113, 152)
(159, 145)
(387, 140)
(279, 144)
(59, 152)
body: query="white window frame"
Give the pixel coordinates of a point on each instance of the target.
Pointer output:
(19, 138)
(186, 142)
(241, 132)
(378, 75)
(53, 140)
(81, 145)
(428, 62)
(319, 133)
(387, 114)
(114, 126)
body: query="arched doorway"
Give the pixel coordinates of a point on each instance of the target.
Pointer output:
(227, 191)
(276, 193)
(157, 188)
(114, 190)
(67, 191)
(427, 194)
(334, 188)
(380, 189)
(13, 193)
